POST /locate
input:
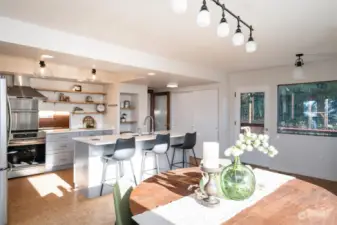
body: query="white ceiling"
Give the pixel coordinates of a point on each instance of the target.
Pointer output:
(127, 73)
(283, 28)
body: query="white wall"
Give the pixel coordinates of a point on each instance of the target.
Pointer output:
(113, 97)
(223, 115)
(75, 120)
(299, 154)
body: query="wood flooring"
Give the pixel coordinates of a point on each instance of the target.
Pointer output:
(50, 199)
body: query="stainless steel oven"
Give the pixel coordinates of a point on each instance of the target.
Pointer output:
(25, 114)
(26, 154)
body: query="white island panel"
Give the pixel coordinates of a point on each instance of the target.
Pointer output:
(88, 163)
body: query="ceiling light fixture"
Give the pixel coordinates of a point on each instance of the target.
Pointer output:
(47, 56)
(42, 70)
(238, 38)
(93, 72)
(179, 6)
(204, 20)
(204, 17)
(298, 73)
(151, 73)
(172, 85)
(251, 45)
(223, 27)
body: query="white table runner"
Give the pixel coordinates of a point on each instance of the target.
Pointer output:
(187, 210)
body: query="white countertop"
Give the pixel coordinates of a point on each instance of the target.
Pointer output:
(56, 131)
(111, 139)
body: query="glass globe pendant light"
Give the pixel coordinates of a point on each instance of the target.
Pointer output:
(238, 38)
(179, 6)
(298, 73)
(42, 70)
(93, 76)
(223, 27)
(251, 45)
(204, 17)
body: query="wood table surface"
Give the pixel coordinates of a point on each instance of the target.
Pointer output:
(294, 203)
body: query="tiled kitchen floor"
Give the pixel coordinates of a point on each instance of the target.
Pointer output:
(49, 199)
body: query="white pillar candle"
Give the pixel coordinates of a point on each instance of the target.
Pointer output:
(211, 155)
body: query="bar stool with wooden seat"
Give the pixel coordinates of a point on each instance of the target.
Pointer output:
(161, 146)
(124, 149)
(189, 143)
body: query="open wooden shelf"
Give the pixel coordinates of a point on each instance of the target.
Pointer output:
(82, 113)
(128, 122)
(71, 91)
(79, 103)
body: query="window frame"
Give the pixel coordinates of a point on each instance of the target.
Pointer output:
(303, 133)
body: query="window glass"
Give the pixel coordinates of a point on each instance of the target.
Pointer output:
(308, 108)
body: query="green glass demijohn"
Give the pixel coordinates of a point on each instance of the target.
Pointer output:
(237, 181)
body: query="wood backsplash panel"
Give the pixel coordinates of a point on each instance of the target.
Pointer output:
(58, 120)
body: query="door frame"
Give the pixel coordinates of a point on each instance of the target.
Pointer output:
(153, 106)
(237, 109)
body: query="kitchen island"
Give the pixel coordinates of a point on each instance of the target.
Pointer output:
(88, 163)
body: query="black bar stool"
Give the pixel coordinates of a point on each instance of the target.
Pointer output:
(189, 143)
(124, 149)
(161, 146)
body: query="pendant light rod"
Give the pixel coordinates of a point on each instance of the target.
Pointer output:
(222, 6)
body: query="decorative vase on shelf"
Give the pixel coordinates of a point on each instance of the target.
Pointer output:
(237, 180)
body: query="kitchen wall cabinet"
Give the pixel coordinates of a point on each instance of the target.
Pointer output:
(196, 111)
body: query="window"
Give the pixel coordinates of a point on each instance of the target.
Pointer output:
(252, 111)
(308, 108)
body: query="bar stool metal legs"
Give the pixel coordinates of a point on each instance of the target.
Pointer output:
(119, 172)
(133, 172)
(184, 162)
(168, 160)
(189, 143)
(105, 167)
(142, 165)
(157, 168)
(174, 152)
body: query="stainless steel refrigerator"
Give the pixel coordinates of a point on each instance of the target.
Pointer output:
(5, 122)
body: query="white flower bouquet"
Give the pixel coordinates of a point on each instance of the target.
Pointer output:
(248, 142)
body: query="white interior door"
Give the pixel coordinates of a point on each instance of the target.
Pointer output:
(182, 112)
(252, 110)
(206, 118)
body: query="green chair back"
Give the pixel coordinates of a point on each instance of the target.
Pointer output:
(121, 203)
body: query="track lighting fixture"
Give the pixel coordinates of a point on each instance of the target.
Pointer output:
(204, 17)
(251, 45)
(298, 72)
(204, 20)
(223, 27)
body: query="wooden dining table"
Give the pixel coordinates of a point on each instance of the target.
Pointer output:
(294, 203)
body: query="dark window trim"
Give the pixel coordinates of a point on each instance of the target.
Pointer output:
(303, 133)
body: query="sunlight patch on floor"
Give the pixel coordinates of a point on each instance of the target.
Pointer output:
(49, 184)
